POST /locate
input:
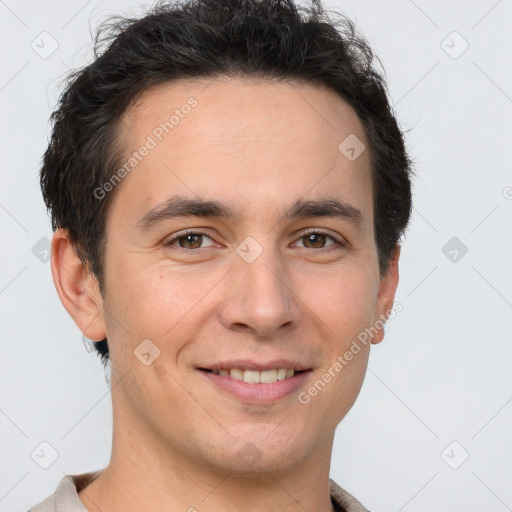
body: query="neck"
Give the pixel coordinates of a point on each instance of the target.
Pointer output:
(144, 473)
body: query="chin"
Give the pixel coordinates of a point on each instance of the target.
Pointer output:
(251, 455)
(268, 463)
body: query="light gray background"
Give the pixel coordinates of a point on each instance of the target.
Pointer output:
(442, 373)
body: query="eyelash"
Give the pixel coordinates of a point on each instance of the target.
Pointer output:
(303, 234)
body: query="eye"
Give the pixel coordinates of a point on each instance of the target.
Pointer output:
(317, 239)
(189, 241)
(192, 240)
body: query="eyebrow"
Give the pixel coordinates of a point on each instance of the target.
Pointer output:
(180, 206)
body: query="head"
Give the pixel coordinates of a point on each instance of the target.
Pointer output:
(250, 119)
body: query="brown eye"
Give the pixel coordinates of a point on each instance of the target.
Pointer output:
(190, 241)
(317, 240)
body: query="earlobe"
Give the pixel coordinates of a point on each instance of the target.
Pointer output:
(77, 288)
(386, 296)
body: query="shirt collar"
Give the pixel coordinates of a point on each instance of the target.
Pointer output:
(65, 498)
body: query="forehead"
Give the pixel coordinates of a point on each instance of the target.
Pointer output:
(248, 142)
(246, 103)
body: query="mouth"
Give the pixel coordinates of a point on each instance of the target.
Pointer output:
(255, 376)
(258, 387)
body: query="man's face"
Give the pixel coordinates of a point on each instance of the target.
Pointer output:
(242, 291)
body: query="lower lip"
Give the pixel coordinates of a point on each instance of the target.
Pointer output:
(258, 393)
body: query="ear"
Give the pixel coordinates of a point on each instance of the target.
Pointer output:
(386, 296)
(77, 287)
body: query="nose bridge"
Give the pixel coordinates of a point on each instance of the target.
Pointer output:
(258, 295)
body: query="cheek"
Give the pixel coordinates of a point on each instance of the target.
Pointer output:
(344, 300)
(347, 311)
(156, 302)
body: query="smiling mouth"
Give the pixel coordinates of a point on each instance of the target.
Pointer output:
(255, 376)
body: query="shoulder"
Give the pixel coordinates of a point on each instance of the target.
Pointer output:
(65, 498)
(345, 501)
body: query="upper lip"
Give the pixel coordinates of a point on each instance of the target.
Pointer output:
(249, 364)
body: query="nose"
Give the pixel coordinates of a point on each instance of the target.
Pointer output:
(260, 298)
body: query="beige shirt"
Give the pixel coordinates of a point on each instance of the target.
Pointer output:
(65, 498)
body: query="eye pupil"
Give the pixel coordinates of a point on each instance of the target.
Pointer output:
(312, 236)
(198, 237)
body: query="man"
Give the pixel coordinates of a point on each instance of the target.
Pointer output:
(228, 187)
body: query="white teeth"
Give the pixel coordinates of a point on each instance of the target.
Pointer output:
(236, 374)
(281, 374)
(251, 376)
(254, 376)
(268, 376)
